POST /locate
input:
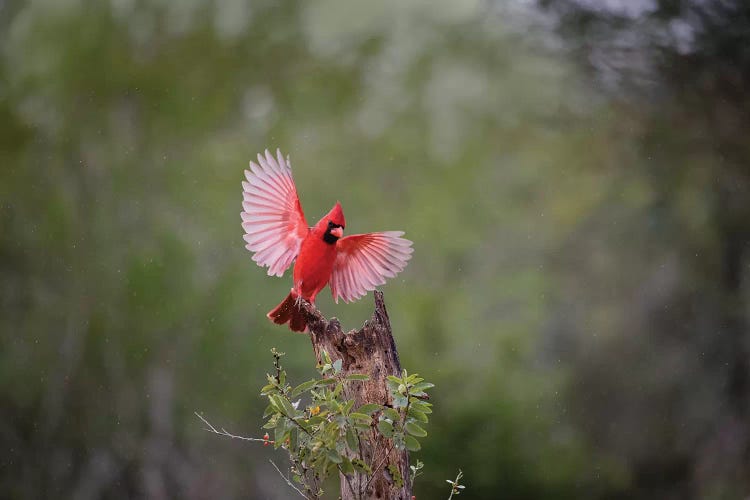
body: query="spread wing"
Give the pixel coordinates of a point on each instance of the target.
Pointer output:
(364, 261)
(272, 216)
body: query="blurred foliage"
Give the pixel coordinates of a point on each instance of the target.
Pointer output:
(575, 185)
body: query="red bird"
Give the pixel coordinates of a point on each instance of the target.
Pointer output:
(277, 233)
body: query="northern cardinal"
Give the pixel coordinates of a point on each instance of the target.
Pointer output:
(277, 233)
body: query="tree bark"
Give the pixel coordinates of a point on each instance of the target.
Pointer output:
(370, 351)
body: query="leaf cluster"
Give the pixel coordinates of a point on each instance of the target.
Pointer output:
(403, 422)
(324, 433)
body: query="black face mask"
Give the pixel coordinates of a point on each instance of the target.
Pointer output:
(328, 237)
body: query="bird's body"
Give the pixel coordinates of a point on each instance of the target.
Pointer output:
(314, 265)
(277, 233)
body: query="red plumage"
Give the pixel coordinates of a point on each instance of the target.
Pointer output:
(277, 233)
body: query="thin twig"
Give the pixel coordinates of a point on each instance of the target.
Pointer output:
(349, 482)
(361, 457)
(224, 432)
(456, 485)
(287, 479)
(376, 469)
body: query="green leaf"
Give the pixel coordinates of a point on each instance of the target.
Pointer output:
(361, 426)
(361, 416)
(415, 430)
(273, 400)
(346, 466)
(280, 432)
(392, 414)
(315, 419)
(351, 439)
(268, 411)
(333, 456)
(412, 444)
(394, 380)
(334, 406)
(369, 408)
(337, 365)
(421, 406)
(358, 376)
(385, 428)
(284, 403)
(304, 386)
(399, 401)
(330, 469)
(304, 424)
(267, 389)
(348, 406)
(422, 386)
(418, 415)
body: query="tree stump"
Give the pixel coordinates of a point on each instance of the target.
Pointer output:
(370, 351)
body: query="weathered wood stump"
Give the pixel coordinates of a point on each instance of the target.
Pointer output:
(370, 351)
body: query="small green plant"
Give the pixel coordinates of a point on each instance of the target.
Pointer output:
(414, 472)
(456, 486)
(322, 431)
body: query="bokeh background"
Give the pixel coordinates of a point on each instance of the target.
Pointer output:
(575, 176)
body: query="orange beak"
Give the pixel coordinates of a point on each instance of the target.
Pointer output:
(338, 232)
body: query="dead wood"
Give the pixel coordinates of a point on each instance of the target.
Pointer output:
(370, 351)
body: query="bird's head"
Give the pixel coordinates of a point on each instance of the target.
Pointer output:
(333, 224)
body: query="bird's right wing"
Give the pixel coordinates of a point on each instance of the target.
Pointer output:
(272, 216)
(364, 261)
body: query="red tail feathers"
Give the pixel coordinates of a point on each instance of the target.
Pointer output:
(289, 311)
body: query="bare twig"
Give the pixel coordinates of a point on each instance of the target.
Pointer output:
(379, 466)
(287, 479)
(456, 485)
(349, 482)
(224, 432)
(361, 456)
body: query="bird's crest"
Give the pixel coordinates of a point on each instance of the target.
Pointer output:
(336, 215)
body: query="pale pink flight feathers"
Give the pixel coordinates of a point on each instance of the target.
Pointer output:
(275, 227)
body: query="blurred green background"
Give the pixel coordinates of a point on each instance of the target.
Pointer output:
(575, 176)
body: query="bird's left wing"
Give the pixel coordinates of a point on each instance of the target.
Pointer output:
(272, 216)
(364, 261)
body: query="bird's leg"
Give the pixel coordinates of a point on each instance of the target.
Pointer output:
(297, 290)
